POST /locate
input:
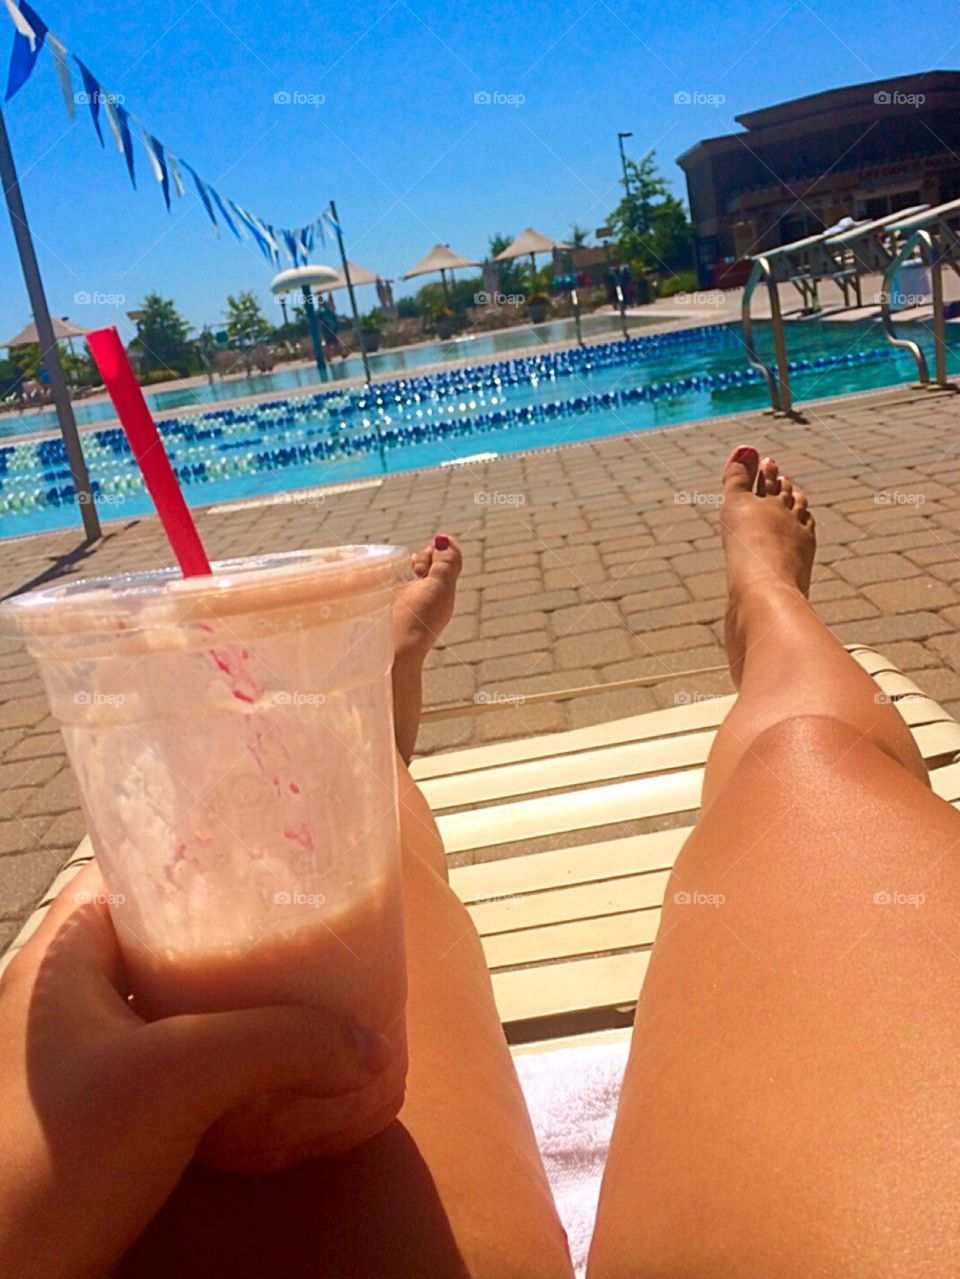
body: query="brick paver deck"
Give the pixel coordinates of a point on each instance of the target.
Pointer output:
(584, 564)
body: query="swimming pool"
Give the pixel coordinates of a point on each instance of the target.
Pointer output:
(306, 377)
(335, 436)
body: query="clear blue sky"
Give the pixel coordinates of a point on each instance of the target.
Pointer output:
(399, 142)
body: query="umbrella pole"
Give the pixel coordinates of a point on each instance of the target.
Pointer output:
(48, 343)
(443, 281)
(353, 299)
(315, 338)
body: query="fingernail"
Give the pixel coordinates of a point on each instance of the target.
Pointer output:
(373, 1051)
(746, 454)
(441, 542)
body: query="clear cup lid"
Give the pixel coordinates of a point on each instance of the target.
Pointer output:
(161, 597)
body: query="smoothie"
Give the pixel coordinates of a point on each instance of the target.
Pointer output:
(232, 738)
(342, 960)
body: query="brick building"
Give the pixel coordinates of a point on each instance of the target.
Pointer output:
(860, 151)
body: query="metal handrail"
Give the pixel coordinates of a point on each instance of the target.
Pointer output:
(924, 239)
(778, 384)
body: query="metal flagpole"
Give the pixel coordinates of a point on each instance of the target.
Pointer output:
(353, 300)
(48, 343)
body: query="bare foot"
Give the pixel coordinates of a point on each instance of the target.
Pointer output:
(769, 538)
(420, 613)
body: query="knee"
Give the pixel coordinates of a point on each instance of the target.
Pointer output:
(800, 748)
(807, 745)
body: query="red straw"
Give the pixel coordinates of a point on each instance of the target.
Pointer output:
(141, 430)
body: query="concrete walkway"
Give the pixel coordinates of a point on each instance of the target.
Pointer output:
(584, 564)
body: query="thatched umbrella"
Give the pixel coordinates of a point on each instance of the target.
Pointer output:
(529, 243)
(61, 329)
(440, 258)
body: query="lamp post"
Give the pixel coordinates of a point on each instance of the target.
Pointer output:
(623, 162)
(48, 343)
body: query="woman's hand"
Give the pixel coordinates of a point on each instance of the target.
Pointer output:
(102, 1111)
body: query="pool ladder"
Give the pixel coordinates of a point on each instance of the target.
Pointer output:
(778, 383)
(937, 243)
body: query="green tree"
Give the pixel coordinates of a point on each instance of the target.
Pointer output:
(515, 276)
(163, 337)
(245, 319)
(653, 231)
(578, 236)
(27, 360)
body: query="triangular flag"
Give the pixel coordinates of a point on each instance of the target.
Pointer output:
(63, 73)
(223, 211)
(123, 119)
(113, 120)
(158, 164)
(27, 44)
(268, 231)
(263, 244)
(91, 95)
(290, 242)
(330, 222)
(323, 236)
(241, 227)
(203, 194)
(175, 174)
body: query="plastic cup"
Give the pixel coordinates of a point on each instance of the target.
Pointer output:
(232, 737)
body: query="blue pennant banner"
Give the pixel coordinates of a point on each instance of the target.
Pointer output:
(27, 43)
(204, 195)
(158, 164)
(91, 95)
(223, 212)
(292, 246)
(30, 35)
(123, 119)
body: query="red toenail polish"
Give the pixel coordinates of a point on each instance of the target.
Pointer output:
(441, 542)
(745, 454)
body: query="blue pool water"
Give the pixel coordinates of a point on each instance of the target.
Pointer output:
(305, 377)
(334, 436)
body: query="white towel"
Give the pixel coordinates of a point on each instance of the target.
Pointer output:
(572, 1098)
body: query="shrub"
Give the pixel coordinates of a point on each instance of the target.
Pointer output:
(684, 282)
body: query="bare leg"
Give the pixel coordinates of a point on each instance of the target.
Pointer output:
(782, 657)
(790, 1102)
(423, 608)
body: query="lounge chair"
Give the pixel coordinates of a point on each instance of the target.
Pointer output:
(568, 917)
(566, 900)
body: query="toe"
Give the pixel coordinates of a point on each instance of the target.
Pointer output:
(801, 506)
(740, 472)
(446, 556)
(786, 493)
(420, 561)
(768, 484)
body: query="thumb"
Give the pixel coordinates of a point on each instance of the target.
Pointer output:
(211, 1062)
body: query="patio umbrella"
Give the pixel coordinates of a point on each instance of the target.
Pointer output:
(61, 329)
(529, 243)
(358, 275)
(440, 258)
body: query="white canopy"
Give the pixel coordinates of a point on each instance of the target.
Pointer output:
(314, 275)
(527, 243)
(61, 329)
(358, 275)
(440, 258)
